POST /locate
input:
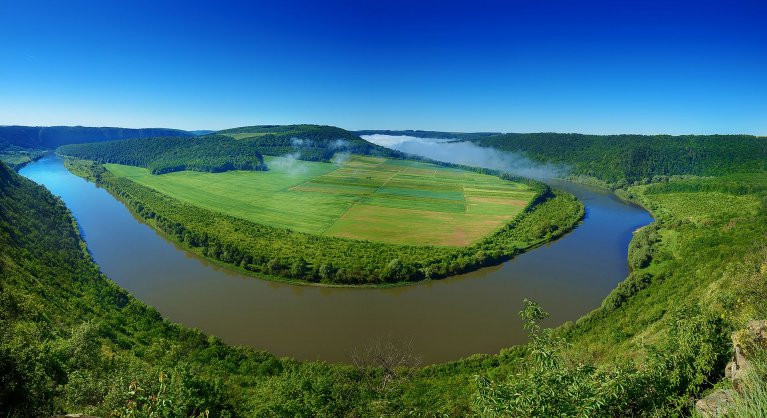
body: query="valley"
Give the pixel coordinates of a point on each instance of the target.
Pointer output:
(693, 275)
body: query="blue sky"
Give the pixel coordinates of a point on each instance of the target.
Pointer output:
(634, 66)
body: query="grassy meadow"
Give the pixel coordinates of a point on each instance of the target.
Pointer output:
(365, 198)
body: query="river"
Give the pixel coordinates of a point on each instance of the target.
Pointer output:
(445, 319)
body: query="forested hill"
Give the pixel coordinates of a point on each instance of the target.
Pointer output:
(307, 142)
(628, 158)
(50, 137)
(214, 153)
(428, 134)
(73, 341)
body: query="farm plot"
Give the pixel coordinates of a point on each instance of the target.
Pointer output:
(365, 198)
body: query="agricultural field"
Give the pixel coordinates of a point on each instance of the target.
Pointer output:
(363, 197)
(16, 158)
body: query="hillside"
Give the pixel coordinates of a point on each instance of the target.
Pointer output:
(623, 159)
(307, 142)
(51, 137)
(72, 341)
(362, 220)
(169, 154)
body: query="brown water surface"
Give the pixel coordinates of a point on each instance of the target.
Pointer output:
(446, 319)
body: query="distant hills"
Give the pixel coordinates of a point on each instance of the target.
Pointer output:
(213, 153)
(629, 158)
(50, 137)
(621, 159)
(307, 142)
(609, 158)
(230, 149)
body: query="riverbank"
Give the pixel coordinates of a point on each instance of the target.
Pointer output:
(294, 257)
(569, 277)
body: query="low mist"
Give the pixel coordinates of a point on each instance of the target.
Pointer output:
(289, 163)
(340, 158)
(468, 153)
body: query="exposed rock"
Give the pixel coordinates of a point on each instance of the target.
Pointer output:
(758, 330)
(74, 416)
(744, 342)
(715, 403)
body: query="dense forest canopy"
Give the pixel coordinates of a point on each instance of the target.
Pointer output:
(214, 153)
(72, 340)
(50, 137)
(307, 142)
(630, 158)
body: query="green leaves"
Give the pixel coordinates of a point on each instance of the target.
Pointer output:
(550, 384)
(168, 154)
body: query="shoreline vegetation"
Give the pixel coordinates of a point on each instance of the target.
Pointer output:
(271, 253)
(162, 155)
(685, 343)
(16, 159)
(73, 341)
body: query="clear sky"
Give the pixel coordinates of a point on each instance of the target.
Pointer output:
(634, 66)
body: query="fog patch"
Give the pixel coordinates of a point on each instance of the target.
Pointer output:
(300, 142)
(339, 144)
(468, 153)
(336, 144)
(340, 158)
(290, 164)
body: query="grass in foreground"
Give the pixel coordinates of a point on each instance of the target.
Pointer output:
(364, 198)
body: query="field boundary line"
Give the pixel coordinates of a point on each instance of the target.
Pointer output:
(465, 202)
(288, 189)
(356, 201)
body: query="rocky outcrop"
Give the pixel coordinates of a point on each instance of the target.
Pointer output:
(715, 403)
(745, 343)
(74, 416)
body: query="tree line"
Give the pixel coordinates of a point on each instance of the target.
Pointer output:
(167, 154)
(308, 142)
(624, 159)
(51, 137)
(277, 252)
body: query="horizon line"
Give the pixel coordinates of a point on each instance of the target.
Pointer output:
(393, 129)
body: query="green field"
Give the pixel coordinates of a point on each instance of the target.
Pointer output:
(367, 198)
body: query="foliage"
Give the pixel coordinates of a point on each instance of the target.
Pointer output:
(168, 154)
(551, 384)
(624, 159)
(365, 198)
(73, 341)
(752, 400)
(51, 137)
(17, 157)
(307, 142)
(265, 250)
(660, 343)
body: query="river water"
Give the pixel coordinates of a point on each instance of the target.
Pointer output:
(445, 319)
